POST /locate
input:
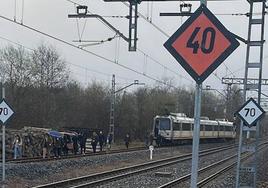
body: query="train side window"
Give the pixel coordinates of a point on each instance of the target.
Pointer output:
(176, 126)
(208, 128)
(202, 127)
(186, 126)
(221, 128)
(228, 128)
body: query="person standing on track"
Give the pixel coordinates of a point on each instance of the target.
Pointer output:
(94, 141)
(151, 139)
(82, 141)
(75, 144)
(101, 140)
(57, 145)
(17, 146)
(127, 140)
(46, 145)
(109, 141)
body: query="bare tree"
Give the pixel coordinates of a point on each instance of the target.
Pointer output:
(48, 68)
(15, 66)
(15, 72)
(49, 74)
(96, 106)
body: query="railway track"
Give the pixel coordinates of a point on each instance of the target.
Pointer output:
(220, 167)
(108, 176)
(72, 156)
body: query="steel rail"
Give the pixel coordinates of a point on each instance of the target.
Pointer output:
(209, 167)
(225, 169)
(107, 176)
(72, 156)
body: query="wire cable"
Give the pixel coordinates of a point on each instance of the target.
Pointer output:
(15, 10)
(87, 51)
(75, 65)
(79, 66)
(22, 11)
(165, 67)
(180, 76)
(150, 22)
(164, 33)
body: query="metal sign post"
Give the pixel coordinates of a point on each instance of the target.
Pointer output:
(3, 142)
(250, 114)
(246, 172)
(196, 135)
(200, 45)
(5, 113)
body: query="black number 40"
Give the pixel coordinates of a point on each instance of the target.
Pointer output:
(192, 43)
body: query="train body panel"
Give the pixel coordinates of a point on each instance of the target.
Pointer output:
(179, 128)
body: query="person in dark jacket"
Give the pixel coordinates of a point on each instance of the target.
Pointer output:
(101, 140)
(109, 141)
(64, 145)
(57, 145)
(127, 140)
(46, 146)
(75, 144)
(82, 141)
(151, 139)
(94, 141)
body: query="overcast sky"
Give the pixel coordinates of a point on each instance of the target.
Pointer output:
(51, 17)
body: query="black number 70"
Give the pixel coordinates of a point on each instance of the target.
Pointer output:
(4, 111)
(250, 111)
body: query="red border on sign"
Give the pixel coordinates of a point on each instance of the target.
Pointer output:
(200, 65)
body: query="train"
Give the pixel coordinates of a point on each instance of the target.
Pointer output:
(177, 128)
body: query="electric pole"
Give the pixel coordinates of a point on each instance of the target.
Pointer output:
(111, 126)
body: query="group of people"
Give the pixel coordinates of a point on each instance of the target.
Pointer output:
(61, 145)
(76, 144)
(48, 145)
(102, 140)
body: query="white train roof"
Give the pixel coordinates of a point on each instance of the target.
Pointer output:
(183, 118)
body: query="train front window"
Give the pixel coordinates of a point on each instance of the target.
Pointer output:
(163, 123)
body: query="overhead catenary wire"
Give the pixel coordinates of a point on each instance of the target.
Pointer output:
(165, 67)
(22, 11)
(223, 14)
(78, 29)
(72, 64)
(79, 66)
(154, 25)
(243, 68)
(95, 42)
(15, 10)
(117, 49)
(167, 35)
(80, 35)
(87, 51)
